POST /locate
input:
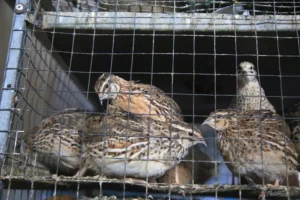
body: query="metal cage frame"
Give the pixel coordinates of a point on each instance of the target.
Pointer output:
(130, 21)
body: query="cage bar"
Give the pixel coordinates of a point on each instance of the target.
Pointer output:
(10, 78)
(165, 22)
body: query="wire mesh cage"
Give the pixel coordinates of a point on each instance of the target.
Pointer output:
(151, 99)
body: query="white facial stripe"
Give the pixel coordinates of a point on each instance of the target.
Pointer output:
(181, 128)
(104, 84)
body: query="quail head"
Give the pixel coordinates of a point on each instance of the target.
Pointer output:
(137, 98)
(125, 144)
(253, 144)
(250, 95)
(56, 143)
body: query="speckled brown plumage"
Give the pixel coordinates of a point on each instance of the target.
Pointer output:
(137, 98)
(242, 136)
(141, 99)
(250, 95)
(293, 119)
(150, 146)
(58, 136)
(68, 117)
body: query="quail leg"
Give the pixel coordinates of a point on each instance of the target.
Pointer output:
(55, 177)
(135, 180)
(177, 181)
(232, 179)
(182, 192)
(81, 172)
(276, 184)
(263, 193)
(99, 177)
(152, 181)
(250, 181)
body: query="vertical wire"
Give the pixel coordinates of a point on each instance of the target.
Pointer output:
(297, 33)
(151, 85)
(33, 48)
(298, 45)
(44, 94)
(46, 84)
(88, 88)
(260, 96)
(129, 96)
(215, 91)
(172, 96)
(107, 112)
(237, 89)
(67, 93)
(281, 95)
(194, 80)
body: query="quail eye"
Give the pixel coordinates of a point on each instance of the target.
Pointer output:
(191, 133)
(218, 116)
(251, 68)
(106, 86)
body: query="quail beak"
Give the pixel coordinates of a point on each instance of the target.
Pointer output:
(208, 123)
(202, 141)
(100, 95)
(198, 138)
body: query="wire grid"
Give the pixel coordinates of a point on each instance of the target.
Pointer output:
(257, 7)
(193, 68)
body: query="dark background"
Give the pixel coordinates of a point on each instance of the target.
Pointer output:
(274, 53)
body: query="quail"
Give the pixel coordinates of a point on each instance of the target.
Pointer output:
(140, 99)
(57, 142)
(254, 145)
(125, 144)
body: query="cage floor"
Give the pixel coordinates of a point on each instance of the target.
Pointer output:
(134, 185)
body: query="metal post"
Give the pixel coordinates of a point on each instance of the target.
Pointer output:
(10, 73)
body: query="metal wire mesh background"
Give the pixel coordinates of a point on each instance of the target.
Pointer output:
(191, 56)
